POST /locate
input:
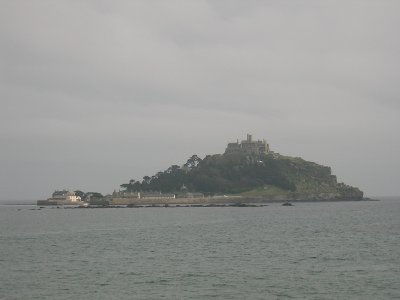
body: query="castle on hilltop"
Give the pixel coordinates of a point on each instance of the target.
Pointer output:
(248, 147)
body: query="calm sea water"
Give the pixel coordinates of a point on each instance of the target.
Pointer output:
(342, 250)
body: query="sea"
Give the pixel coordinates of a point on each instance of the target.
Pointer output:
(332, 250)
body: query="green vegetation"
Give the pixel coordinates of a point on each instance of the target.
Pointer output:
(248, 175)
(88, 195)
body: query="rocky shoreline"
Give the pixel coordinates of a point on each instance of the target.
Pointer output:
(202, 202)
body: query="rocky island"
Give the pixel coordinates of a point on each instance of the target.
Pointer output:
(247, 172)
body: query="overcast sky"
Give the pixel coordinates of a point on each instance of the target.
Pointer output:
(94, 93)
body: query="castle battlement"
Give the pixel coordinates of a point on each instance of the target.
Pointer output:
(248, 147)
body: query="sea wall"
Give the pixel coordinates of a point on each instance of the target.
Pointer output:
(233, 199)
(176, 201)
(58, 202)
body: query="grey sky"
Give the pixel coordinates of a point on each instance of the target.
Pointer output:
(94, 93)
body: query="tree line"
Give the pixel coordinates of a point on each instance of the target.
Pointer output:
(217, 174)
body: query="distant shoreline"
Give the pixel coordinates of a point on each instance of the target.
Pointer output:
(188, 205)
(10, 203)
(205, 201)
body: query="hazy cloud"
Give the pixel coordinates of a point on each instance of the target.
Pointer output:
(96, 92)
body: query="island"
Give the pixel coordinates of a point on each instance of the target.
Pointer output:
(247, 172)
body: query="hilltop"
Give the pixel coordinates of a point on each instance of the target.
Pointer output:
(249, 169)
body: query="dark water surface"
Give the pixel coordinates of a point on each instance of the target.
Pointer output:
(342, 250)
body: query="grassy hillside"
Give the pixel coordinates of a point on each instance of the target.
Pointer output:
(309, 178)
(251, 176)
